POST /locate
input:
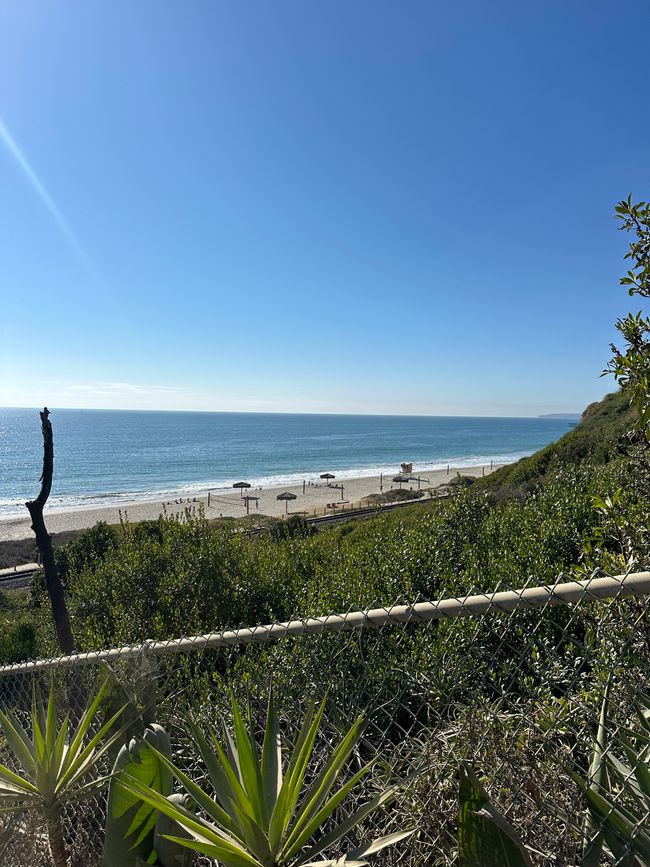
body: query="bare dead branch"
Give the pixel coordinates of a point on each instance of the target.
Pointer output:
(44, 542)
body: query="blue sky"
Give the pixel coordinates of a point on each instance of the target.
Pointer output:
(301, 206)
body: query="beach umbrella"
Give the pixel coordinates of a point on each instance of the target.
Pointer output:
(400, 480)
(286, 496)
(327, 476)
(241, 486)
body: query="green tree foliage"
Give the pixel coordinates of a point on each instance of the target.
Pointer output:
(88, 549)
(631, 364)
(91, 547)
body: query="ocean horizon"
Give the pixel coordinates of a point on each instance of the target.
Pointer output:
(115, 457)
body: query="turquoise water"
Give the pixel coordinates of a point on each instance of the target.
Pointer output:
(105, 457)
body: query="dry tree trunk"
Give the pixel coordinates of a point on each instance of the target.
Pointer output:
(44, 542)
(56, 841)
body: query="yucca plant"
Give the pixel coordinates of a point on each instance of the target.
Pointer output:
(618, 790)
(59, 761)
(261, 814)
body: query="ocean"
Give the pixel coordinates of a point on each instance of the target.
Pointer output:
(111, 457)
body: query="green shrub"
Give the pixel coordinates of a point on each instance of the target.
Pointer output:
(295, 526)
(19, 641)
(599, 438)
(90, 549)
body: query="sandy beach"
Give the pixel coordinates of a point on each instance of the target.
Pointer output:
(226, 502)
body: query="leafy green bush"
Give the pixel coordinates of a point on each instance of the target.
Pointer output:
(294, 526)
(599, 438)
(460, 481)
(89, 549)
(19, 641)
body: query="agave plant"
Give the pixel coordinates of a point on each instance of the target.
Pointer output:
(135, 831)
(485, 837)
(618, 790)
(60, 765)
(261, 814)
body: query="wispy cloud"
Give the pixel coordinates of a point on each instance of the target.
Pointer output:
(124, 388)
(37, 185)
(100, 394)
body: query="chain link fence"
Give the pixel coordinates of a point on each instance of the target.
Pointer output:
(510, 683)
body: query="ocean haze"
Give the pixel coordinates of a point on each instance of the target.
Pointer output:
(106, 457)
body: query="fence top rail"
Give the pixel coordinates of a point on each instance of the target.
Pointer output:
(560, 593)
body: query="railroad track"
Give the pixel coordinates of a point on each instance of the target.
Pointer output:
(16, 580)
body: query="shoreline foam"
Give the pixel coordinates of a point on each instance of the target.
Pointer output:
(122, 499)
(227, 503)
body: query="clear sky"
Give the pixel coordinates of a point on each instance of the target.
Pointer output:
(316, 206)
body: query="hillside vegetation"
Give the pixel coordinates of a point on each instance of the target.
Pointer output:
(601, 436)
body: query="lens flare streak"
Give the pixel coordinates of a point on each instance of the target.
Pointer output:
(37, 185)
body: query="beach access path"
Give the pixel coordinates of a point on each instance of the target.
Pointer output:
(228, 503)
